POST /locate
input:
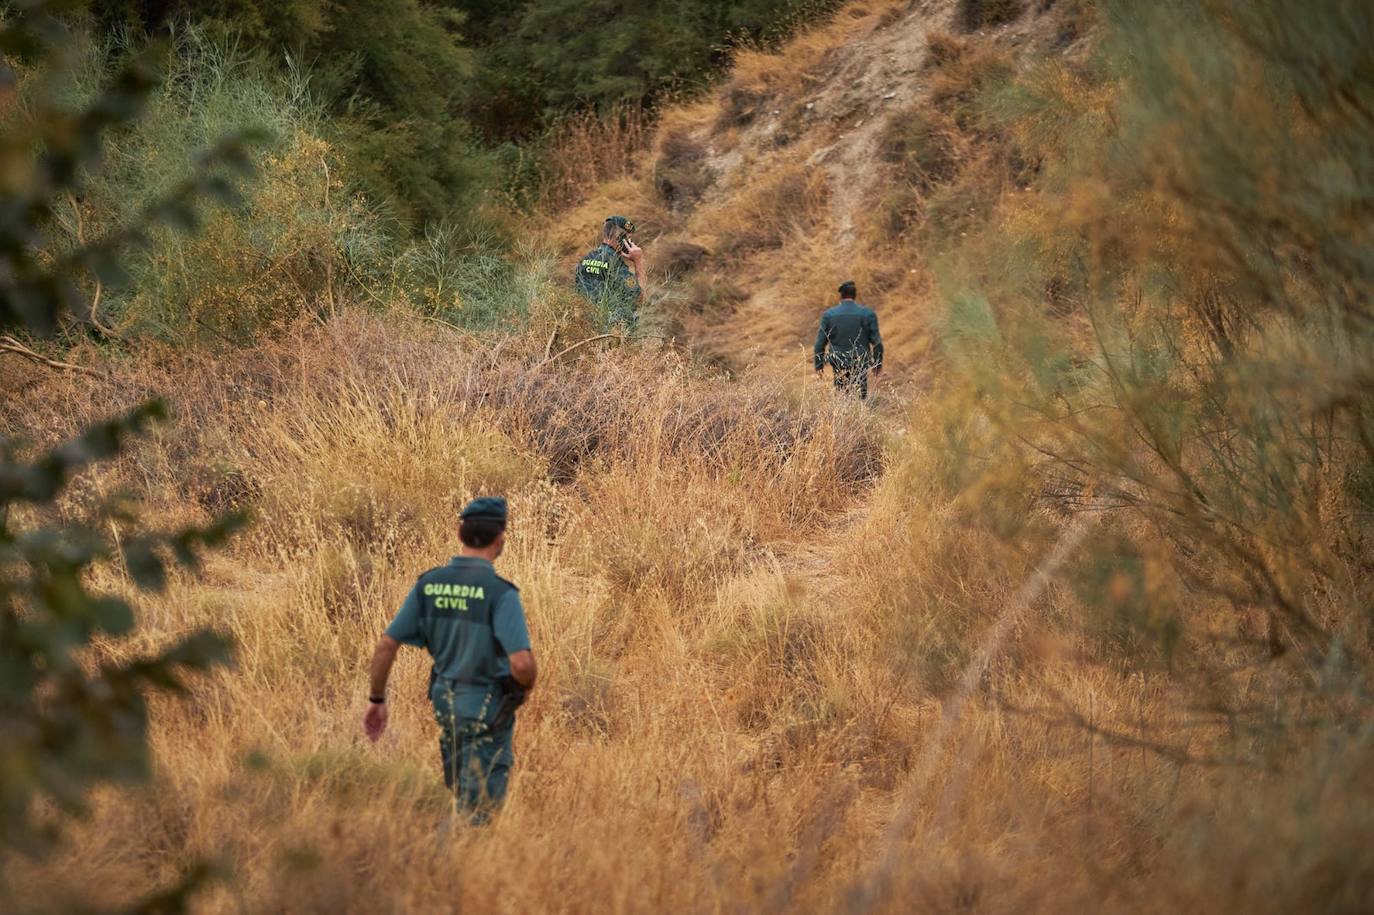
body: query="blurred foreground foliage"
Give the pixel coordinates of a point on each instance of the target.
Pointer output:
(74, 716)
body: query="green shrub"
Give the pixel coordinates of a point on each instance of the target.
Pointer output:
(391, 75)
(468, 280)
(273, 257)
(304, 241)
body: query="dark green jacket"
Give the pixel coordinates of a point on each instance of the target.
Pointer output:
(605, 279)
(471, 621)
(848, 337)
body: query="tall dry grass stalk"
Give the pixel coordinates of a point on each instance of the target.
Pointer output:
(586, 150)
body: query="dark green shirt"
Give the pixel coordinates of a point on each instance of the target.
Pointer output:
(471, 621)
(849, 332)
(605, 279)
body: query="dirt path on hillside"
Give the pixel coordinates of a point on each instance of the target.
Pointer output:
(882, 72)
(823, 104)
(877, 69)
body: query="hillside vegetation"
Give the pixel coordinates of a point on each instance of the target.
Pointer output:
(436, 105)
(1074, 614)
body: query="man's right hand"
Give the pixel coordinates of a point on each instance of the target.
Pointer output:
(523, 669)
(633, 253)
(374, 720)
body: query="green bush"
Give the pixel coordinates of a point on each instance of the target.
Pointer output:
(302, 242)
(468, 280)
(391, 75)
(272, 258)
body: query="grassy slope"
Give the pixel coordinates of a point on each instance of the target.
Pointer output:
(748, 598)
(781, 176)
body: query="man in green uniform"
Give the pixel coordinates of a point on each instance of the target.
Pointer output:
(849, 341)
(472, 623)
(612, 275)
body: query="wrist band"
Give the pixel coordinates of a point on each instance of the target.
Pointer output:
(377, 700)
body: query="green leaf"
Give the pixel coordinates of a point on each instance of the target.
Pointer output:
(145, 566)
(90, 726)
(112, 615)
(176, 215)
(105, 263)
(222, 191)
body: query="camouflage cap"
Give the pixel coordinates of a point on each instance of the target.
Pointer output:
(487, 508)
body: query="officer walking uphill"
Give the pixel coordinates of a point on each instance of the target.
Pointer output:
(849, 341)
(612, 275)
(471, 622)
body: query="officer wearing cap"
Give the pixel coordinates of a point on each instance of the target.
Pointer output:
(612, 275)
(471, 622)
(848, 340)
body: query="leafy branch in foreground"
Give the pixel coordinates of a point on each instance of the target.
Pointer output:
(72, 717)
(71, 721)
(1211, 365)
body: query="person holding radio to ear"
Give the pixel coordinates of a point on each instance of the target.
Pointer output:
(612, 275)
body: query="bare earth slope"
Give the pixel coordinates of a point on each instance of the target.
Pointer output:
(779, 175)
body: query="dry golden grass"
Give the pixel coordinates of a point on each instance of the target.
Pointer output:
(578, 228)
(586, 150)
(751, 600)
(744, 632)
(784, 204)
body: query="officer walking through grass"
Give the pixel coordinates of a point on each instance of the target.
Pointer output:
(471, 622)
(848, 340)
(612, 276)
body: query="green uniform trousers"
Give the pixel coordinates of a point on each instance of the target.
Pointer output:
(851, 377)
(477, 761)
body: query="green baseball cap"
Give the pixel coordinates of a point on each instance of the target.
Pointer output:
(486, 508)
(623, 222)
